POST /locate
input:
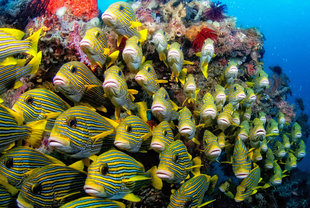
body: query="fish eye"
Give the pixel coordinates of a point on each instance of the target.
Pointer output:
(119, 72)
(166, 97)
(29, 100)
(175, 158)
(9, 162)
(258, 74)
(235, 88)
(71, 122)
(191, 117)
(148, 69)
(180, 47)
(165, 133)
(139, 43)
(73, 69)
(104, 169)
(128, 128)
(121, 8)
(164, 33)
(97, 34)
(36, 188)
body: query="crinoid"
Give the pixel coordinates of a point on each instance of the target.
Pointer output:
(201, 36)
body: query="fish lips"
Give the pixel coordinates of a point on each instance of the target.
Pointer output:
(209, 112)
(260, 132)
(158, 108)
(173, 54)
(122, 144)
(191, 87)
(241, 175)
(111, 85)
(243, 136)
(157, 146)
(223, 121)
(276, 181)
(93, 191)
(108, 18)
(57, 142)
(86, 44)
(220, 97)
(140, 79)
(164, 174)
(129, 54)
(215, 152)
(186, 130)
(264, 82)
(59, 81)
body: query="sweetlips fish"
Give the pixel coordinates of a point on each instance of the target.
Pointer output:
(187, 126)
(7, 194)
(286, 141)
(250, 97)
(235, 118)
(255, 154)
(95, 45)
(224, 119)
(278, 149)
(300, 152)
(211, 147)
(226, 188)
(272, 128)
(244, 130)
(276, 178)
(116, 175)
(247, 114)
(80, 132)
(115, 88)
(264, 145)
(77, 82)
(296, 132)
(12, 129)
(235, 94)
(221, 140)
(94, 202)
(18, 161)
(11, 43)
(176, 163)
(176, 61)
(147, 78)
(163, 108)
(161, 44)
(241, 162)
(11, 73)
(248, 185)
(268, 162)
(191, 193)
(190, 89)
(51, 186)
(208, 109)
(257, 132)
(162, 136)
(40, 103)
(132, 134)
(206, 54)
(262, 117)
(231, 71)
(219, 96)
(281, 120)
(290, 162)
(260, 81)
(132, 54)
(122, 19)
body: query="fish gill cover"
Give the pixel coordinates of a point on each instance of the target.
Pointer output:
(245, 139)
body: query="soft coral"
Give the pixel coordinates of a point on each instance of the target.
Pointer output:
(201, 36)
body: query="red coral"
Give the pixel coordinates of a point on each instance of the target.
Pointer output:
(144, 15)
(251, 70)
(201, 36)
(286, 109)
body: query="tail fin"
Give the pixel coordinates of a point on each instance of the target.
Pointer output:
(112, 58)
(143, 35)
(156, 182)
(18, 34)
(35, 62)
(204, 69)
(142, 110)
(34, 39)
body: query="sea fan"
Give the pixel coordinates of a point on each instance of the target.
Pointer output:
(215, 12)
(201, 36)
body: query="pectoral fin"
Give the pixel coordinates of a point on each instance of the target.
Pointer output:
(131, 197)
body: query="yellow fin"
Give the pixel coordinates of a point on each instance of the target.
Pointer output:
(174, 106)
(9, 61)
(131, 197)
(161, 81)
(250, 84)
(51, 115)
(112, 122)
(78, 165)
(133, 91)
(142, 110)
(35, 62)
(162, 56)
(134, 24)
(195, 141)
(272, 134)
(196, 166)
(206, 203)
(102, 135)
(198, 54)
(146, 136)
(34, 39)
(1, 100)
(143, 35)
(182, 76)
(196, 93)
(156, 182)
(18, 34)
(143, 59)
(188, 62)
(11, 189)
(119, 40)
(17, 85)
(254, 192)
(89, 87)
(112, 58)
(204, 69)
(19, 118)
(136, 178)
(102, 109)
(37, 130)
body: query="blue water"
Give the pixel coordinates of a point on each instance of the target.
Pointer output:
(285, 24)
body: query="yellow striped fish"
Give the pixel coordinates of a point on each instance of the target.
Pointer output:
(224, 119)
(10, 74)
(51, 186)
(276, 178)
(76, 81)
(11, 43)
(162, 107)
(257, 132)
(241, 163)
(286, 141)
(219, 95)
(250, 97)
(248, 185)
(121, 17)
(187, 126)
(255, 154)
(235, 94)
(281, 120)
(191, 193)
(175, 163)
(260, 81)
(296, 132)
(115, 87)
(231, 71)
(264, 145)
(278, 149)
(211, 147)
(262, 117)
(208, 109)
(18, 161)
(221, 140)
(11, 129)
(290, 162)
(80, 132)
(235, 118)
(190, 89)
(268, 162)
(7, 194)
(147, 78)
(37, 104)
(272, 128)
(206, 54)
(132, 54)
(300, 152)
(161, 44)
(116, 175)
(244, 130)
(162, 137)
(247, 114)
(95, 45)
(132, 134)
(93, 202)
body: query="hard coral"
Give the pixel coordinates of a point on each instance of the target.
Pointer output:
(215, 12)
(201, 36)
(144, 15)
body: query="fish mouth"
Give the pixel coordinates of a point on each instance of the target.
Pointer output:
(236, 121)
(233, 70)
(209, 112)
(209, 48)
(238, 200)
(158, 108)
(243, 136)
(259, 158)
(163, 174)
(110, 83)
(298, 135)
(91, 190)
(260, 132)
(121, 145)
(253, 98)
(275, 131)
(55, 142)
(130, 51)
(287, 146)
(58, 81)
(241, 96)
(302, 154)
(269, 166)
(263, 119)
(215, 152)
(276, 182)
(139, 77)
(157, 146)
(282, 154)
(242, 175)
(186, 130)
(264, 82)
(173, 54)
(294, 165)
(86, 43)
(224, 121)
(191, 87)
(158, 37)
(107, 17)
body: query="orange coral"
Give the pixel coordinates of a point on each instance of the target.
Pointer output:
(192, 32)
(87, 9)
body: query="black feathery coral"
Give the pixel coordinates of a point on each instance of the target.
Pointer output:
(215, 12)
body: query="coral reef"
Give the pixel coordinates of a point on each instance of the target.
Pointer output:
(215, 12)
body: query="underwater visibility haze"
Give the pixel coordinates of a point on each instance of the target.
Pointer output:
(154, 103)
